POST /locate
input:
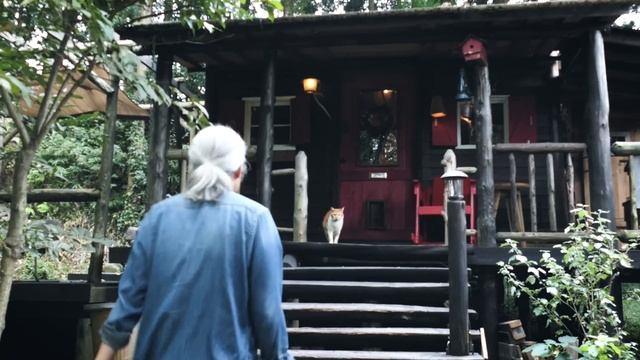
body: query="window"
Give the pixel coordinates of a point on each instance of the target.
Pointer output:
(281, 122)
(499, 115)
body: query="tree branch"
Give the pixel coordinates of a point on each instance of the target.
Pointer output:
(16, 116)
(9, 137)
(51, 81)
(54, 114)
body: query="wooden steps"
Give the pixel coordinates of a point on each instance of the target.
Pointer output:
(359, 302)
(375, 355)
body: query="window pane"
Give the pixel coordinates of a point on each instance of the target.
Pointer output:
(497, 115)
(282, 135)
(281, 127)
(282, 115)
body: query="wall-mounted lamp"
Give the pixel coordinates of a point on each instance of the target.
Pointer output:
(310, 85)
(437, 107)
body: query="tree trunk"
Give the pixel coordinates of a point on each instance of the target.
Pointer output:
(14, 242)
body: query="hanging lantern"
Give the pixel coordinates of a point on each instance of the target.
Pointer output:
(466, 112)
(463, 90)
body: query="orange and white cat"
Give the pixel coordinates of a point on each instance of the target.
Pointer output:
(332, 224)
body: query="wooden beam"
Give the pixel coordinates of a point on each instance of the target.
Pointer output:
(265, 136)
(157, 170)
(540, 148)
(598, 136)
(301, 198)
(57, 195)
(106, 171)
(626, 148)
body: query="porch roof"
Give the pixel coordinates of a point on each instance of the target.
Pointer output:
(517, 30)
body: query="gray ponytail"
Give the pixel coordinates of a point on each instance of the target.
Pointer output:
(215, 153)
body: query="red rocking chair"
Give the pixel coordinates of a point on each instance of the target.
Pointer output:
(430, 199)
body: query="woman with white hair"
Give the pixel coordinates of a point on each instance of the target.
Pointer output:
(205, 272)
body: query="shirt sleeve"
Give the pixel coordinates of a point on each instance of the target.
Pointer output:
(131, 290)
(269, 326)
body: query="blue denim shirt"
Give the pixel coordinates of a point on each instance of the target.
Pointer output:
(205, 280)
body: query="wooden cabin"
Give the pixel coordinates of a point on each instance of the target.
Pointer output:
(368, 128)
(548, 85)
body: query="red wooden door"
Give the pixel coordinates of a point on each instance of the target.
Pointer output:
(378, 113)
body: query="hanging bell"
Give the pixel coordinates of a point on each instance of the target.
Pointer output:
(463, 90)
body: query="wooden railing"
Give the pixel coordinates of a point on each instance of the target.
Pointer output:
(631, 149)
(549, 150)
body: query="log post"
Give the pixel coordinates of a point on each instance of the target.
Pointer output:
(484, 153)
(533, 206)
(106, 168)
(265, 137)
(551, 190)
(513, 192)
(475, 55)
(633, 182)
(598, 136)
(157, 170)
(301, 198)
(570, 177)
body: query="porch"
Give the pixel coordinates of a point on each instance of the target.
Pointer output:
(377, 79)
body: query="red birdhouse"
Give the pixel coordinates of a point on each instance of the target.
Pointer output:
(473, 50)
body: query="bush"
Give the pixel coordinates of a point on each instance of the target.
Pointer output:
(575, 295)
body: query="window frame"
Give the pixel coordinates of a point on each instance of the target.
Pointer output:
(254, 101)
(495, 99)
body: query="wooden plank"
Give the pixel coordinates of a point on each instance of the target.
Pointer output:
(376, 355)
(554, 237)
(50, 291)
(362, 289)
(368, 273)
(625, 148)
(597, 124)
(381, 331)
(540, 148)
(422, 315)
(57, 195)
(178, 154)
(279, 172)
(533, 206)
(551, 191)
(367, 251)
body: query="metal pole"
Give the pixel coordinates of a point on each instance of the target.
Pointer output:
(458, 282)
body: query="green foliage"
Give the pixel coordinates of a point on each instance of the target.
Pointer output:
(631, 306)
(575, 295)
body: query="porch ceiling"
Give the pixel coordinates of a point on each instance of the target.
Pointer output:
(519, 31)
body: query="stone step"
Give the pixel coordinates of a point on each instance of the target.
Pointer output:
(376, 355)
